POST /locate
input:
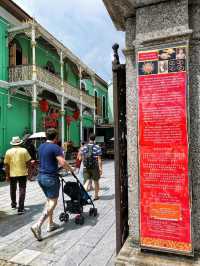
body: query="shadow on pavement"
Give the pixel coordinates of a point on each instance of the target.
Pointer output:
(70, 225)
(104, 188)
(2, 214)
(107, 197)
(10, 222)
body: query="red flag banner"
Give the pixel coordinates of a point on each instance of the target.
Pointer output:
(165, 212)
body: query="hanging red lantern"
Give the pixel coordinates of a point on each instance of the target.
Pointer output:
(68, 119)
(44, 106)
(49, 123)
(76, 115)
(54, 115)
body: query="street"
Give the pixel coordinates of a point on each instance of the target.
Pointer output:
(90, 244)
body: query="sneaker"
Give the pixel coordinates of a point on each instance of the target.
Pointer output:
(13, 206)
(37, 232)
(52, 227)
(21, 211)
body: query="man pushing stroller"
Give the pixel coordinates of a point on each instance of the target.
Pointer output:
(50, 155)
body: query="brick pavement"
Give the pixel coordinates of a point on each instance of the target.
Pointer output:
(90, 244)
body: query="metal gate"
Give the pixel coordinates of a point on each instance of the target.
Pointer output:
(121, 177)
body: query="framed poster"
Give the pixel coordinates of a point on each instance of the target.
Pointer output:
(165, 208)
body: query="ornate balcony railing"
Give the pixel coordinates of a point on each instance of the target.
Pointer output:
(24, 73)
(88, 99)
(20, 73)
(49, 78)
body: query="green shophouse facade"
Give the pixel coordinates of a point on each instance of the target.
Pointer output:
(35, 66)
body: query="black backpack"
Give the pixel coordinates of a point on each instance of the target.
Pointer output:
(90, 161)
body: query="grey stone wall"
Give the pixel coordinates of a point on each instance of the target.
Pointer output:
(161, 20)
(159, 24)
(132, 133)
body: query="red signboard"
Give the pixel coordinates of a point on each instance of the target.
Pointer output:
(165, 213)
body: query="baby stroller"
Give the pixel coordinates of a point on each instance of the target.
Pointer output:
(78, 198)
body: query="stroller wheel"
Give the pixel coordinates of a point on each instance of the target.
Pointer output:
(91, 211)
(79, 219)
(62, 217)
(95, 212)
(66, 218)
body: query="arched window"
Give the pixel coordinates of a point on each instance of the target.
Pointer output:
(15, 54)
(104, 106)
(96, 100)
(50, 67)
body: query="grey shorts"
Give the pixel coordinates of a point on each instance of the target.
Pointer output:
(91, 174)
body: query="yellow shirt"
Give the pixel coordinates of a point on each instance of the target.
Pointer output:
(16, 158)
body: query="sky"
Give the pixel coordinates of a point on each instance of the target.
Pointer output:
(83, 26)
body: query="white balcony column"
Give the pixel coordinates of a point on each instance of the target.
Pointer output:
(34, 78)
(94, 110)
(94, 117)
(62, 70)
(62, 99)
(81, 106)
(62, 120)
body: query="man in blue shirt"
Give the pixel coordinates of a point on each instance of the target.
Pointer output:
(50, 155)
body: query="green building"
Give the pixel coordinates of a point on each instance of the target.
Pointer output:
(43, 84)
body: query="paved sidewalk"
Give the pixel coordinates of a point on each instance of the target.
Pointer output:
(90, 244)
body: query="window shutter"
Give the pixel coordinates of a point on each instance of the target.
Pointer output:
(12, 59)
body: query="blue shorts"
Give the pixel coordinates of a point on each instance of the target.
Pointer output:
(50, 185)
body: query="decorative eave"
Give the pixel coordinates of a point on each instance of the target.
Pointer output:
(40, 84)
(15, 10)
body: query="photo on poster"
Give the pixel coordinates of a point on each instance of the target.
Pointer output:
(163, 66)
(148, 68)
(180, 53)
(167, 54)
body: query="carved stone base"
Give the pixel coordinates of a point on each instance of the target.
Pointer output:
(132, 255)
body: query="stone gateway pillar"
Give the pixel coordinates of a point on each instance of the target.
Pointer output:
(163, 123)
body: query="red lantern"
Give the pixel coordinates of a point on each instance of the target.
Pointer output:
(68, 119)
(50, 123)
(76, 115)
(44, 106)
(54, 116)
